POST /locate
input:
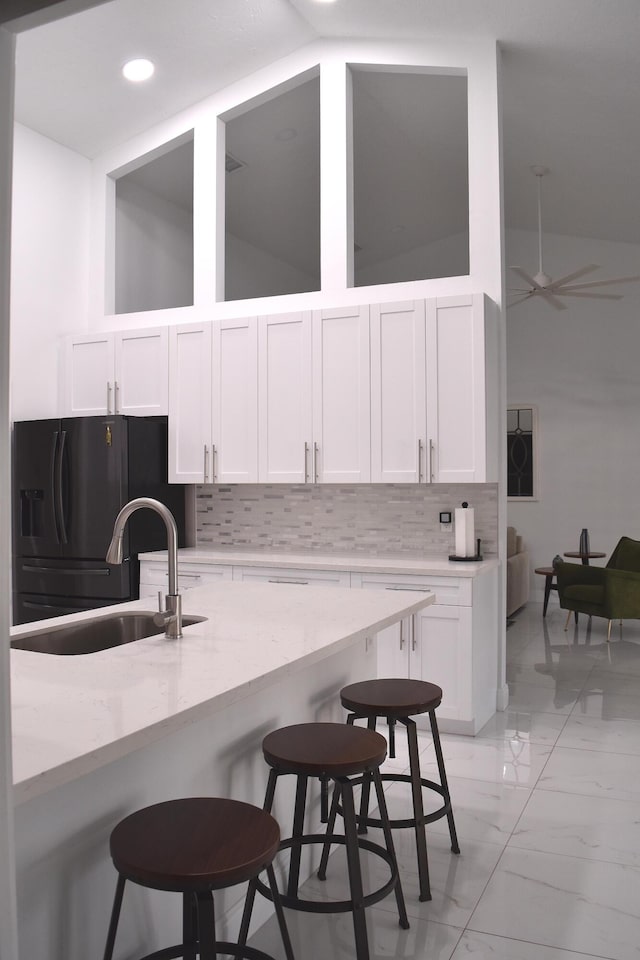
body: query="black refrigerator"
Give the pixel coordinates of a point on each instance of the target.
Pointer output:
(70, 479)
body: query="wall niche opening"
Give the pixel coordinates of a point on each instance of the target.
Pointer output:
(272, 194)
(153, 257)
(410, 175)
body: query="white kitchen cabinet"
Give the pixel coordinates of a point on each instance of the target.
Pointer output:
(190, 403)
(285, 445)
(303, 577)
(434, 391)
(450, 643)
(154, 577)
(341, 396)
(234, 380)
(463, 401)
(213, 402)
(398, 392)
(116, 373)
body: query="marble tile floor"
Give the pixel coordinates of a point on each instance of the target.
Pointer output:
(547, 807)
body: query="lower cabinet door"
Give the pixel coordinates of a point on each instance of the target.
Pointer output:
(393, 650)
(442, 654)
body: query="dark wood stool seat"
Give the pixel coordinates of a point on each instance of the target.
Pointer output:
(344, 754)
(398, 700)
(194, 846)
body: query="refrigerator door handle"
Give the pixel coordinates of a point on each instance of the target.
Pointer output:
(54, 498)
(64, 571)
(58, 487)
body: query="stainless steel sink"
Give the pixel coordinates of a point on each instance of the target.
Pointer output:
(91, 636)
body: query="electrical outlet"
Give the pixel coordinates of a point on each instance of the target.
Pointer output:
(445, 521)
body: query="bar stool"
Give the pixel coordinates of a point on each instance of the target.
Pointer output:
(330, 751)
(193, 847)
(399, 700)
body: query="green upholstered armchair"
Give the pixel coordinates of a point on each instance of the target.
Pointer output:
(612, 592)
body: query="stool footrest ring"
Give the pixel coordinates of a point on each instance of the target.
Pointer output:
(410, 822)
(242, 952)
(334, 906)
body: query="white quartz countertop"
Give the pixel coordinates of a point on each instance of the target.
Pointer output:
(74, 714)
(418, 566)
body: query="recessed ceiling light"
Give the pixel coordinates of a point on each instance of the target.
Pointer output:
(138, 70)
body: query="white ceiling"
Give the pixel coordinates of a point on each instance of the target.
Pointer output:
(571, 75)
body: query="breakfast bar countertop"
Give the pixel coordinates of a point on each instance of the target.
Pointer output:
(74, 714)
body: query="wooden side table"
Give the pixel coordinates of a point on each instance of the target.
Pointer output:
(548, 573)
(585, 557)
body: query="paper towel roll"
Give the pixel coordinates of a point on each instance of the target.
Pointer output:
(465, 532)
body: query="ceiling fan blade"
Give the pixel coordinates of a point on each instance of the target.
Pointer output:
(598, 296)
(550, 298)
(590, 267)
(603, 283)
(520, 299)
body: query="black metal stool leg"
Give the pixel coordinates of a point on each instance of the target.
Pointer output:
(189, 926)
(355, 874)
(115, 916)
(388, 838)
(418, 810)
(251, 890)
(277, 903)
(443, 780)
(331, 825)
(366, 790)
(206, 926)
(298, 832)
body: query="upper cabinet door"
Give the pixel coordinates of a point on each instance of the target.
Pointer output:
(341, 396)
(125, 372)
(88, 378)
(284, 395)
(141, 379)
(399, 442)
(463, 385)
(235, 401)
(190, 404)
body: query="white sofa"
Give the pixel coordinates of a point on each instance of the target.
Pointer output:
(518, 584)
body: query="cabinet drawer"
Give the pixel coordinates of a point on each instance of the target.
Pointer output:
(454, 591)
(154, 576)
(327, 578)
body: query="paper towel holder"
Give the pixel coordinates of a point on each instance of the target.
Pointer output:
(475, 559)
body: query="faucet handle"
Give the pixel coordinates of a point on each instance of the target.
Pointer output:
(160, 602)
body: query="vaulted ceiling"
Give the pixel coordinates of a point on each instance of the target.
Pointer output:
(570, 69)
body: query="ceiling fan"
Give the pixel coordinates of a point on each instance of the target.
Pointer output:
(551, 290)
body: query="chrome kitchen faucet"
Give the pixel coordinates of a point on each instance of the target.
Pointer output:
(171, 617)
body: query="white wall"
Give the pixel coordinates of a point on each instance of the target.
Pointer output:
(251, 272)
(49, 268)
(581, 368)
(153, 251)
(444, 258)
(8, 931)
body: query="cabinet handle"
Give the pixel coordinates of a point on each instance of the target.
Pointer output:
(315, 462)
(108, 396)
(213, 463)
(430, 461)
(401, 634)
(205, 468)
(115, 396)
(414, 589)
(419, 461)
(301, 583)
(413, 632)
(306, 462)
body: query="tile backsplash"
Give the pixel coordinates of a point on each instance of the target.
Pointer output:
(345, 519)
